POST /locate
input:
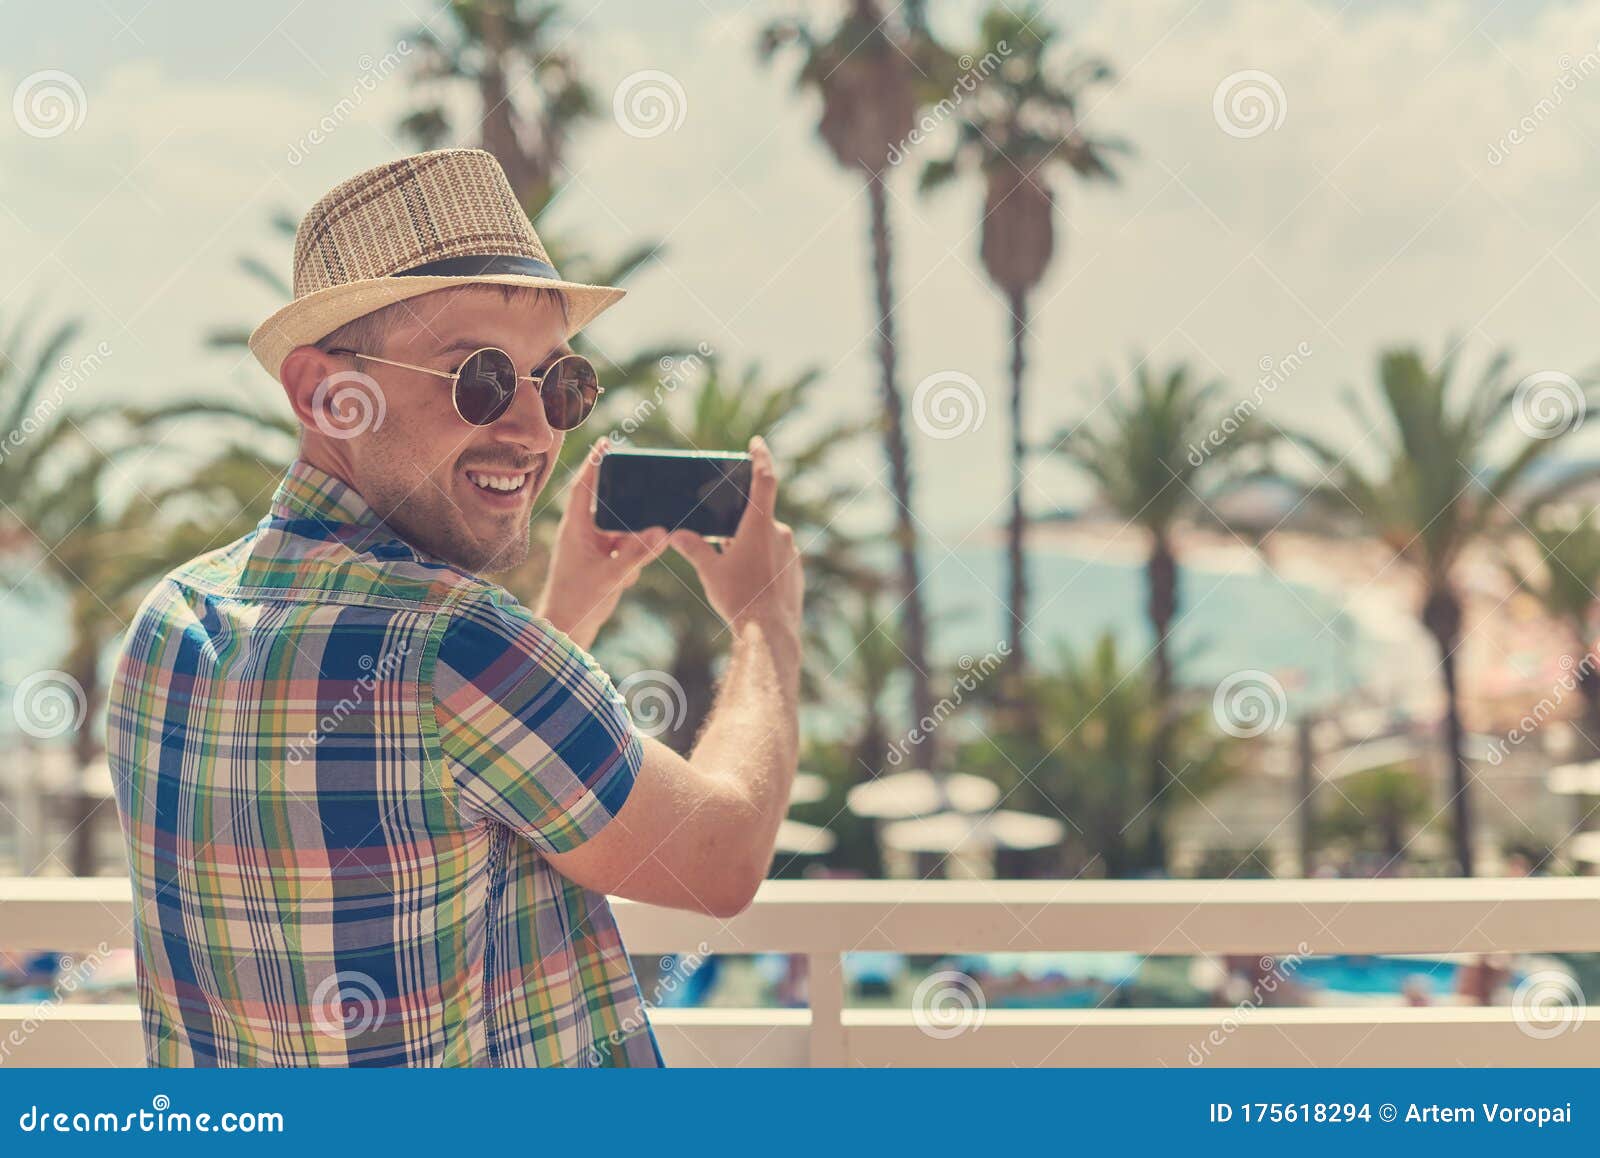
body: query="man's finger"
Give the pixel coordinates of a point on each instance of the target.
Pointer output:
(763, 479)
(589, 472)
(692, 547)
(642, 547)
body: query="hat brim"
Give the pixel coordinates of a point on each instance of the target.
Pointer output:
(308, 320)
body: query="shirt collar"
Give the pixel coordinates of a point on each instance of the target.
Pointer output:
(309, 492)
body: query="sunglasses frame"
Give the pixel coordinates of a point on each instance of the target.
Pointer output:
(455, 380)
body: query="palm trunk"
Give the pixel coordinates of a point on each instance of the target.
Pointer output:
(84, 667)
(895, 448)
(1589, 689)
(1161, 577)
(1015, 557)
(1441, 615)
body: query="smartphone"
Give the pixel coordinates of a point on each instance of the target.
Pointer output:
(704, 491)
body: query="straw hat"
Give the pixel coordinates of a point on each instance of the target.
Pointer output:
(429, 222)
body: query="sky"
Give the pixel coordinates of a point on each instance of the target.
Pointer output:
(1379, 201)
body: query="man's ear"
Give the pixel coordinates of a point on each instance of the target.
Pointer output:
(330, 394)
(303, 371)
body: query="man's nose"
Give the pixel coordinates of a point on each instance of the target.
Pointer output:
(524, 423)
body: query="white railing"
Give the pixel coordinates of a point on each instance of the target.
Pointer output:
(823, 920)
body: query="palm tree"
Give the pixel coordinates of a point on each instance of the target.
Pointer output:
(874, 72)
(871, 658)
(1379, 810)
(1439, 486)
(1570, 554)
(727, 411)
(491, 46)
(1139, 450)
(1099, 718)
(84, 537)
(1022, 123)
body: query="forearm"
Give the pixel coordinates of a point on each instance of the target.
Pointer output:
(751, 740)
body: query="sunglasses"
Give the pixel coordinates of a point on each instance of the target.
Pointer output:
(487, 382)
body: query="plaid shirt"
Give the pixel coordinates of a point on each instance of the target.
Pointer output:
(338, 761)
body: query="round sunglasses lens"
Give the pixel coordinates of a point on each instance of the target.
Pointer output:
(569, 392)
(485, 387)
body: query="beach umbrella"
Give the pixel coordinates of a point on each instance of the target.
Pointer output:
(808, 788)
(949, 831)
(918, 793)
(1585, 847)
(799, 839)
(1575, 779)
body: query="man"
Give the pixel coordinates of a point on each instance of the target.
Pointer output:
(373, 804)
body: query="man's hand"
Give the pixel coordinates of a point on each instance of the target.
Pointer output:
(591, 568)
(757, 576)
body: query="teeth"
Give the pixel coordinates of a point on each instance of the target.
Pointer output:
(496, 482)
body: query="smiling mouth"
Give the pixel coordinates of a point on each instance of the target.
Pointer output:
(501, 483)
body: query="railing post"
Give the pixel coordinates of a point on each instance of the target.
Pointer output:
(825, 985)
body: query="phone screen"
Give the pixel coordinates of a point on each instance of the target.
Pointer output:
(700, 491)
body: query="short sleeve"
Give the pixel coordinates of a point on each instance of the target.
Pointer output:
(535, 734)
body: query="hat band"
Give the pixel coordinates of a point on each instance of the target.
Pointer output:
(482, 265)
